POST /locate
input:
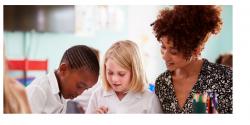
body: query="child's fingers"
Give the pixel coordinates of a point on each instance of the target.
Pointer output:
(99, 111)
(102, 110)
(105, 109)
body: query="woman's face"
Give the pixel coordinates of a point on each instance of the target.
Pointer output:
(173, 59)
(118, 78)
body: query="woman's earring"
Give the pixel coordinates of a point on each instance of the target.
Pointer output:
(189, 59)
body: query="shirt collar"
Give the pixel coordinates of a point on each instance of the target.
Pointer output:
(131, 94)
(53, 83)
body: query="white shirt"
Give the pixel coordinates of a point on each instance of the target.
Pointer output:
(145, 102)
(83, 99)
(43, 95)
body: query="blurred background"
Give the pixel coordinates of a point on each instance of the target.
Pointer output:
(35, 37)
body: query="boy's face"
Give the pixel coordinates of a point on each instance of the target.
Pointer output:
(74, 82)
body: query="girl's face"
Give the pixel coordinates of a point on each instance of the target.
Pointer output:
(173, 59)
(118, 78)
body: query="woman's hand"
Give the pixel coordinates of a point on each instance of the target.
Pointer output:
(102, 110)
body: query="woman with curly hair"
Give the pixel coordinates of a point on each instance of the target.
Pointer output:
(191, 84)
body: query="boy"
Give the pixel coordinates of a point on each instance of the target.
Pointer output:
(78, 71)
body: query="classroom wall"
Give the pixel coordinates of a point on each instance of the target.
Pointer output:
(51, 46)
(136, 27)
(222, 42)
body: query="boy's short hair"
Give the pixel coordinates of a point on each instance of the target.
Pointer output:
(81, 57)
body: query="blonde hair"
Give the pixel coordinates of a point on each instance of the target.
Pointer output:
(126, 54)
(15, 99)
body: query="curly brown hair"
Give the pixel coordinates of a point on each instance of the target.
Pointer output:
(187, 26)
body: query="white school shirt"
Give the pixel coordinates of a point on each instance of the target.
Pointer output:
(43, 95)
(146, 102)
(83, 99)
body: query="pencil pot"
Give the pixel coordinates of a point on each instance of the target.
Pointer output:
(205, 103)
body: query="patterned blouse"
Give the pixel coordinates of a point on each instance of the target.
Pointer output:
(212, 78)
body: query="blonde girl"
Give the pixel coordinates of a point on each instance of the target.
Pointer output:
(124, 83)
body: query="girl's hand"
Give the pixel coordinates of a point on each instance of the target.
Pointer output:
(102, 110)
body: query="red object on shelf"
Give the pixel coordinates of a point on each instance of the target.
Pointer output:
(27, 64)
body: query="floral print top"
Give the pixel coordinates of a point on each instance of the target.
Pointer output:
(214, 78)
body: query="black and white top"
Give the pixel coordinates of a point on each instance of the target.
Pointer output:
(212, 78)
